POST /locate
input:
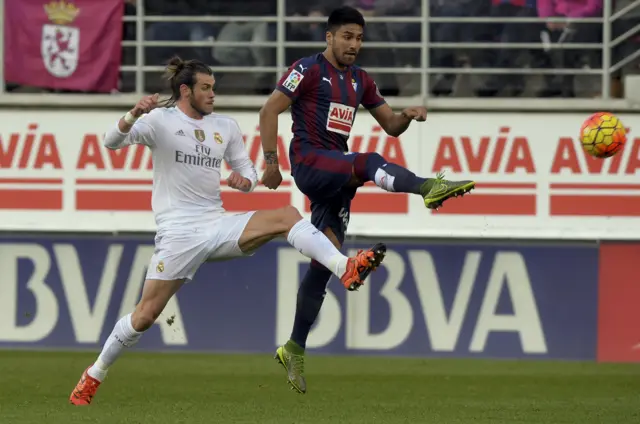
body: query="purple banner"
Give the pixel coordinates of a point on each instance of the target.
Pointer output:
(63, 45)
(446, 300)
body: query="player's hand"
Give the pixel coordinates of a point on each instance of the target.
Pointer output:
(238, 182)
(145, 105)
(272, 176)
(416, 113)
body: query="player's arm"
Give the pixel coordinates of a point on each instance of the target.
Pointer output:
(393, 123)
(131, 129)
(244, 176)
(277, 103)
(286, 93)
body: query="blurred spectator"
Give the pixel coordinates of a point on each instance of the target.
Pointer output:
(452, 32)
(248, 33)
(178, 31)
(510, 32)
(626, 23)
(563, 32)
(403, 32)
(305, 31)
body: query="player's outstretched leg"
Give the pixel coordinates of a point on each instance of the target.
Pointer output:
(309, 301)
(395, 178)
(311, 242)
(125, 334)
(327, 260)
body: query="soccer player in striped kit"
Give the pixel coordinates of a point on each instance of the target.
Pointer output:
(324, 92)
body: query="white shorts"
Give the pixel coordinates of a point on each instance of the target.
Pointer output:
(179, 253)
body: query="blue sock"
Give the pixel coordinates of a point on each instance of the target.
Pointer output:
(386, 175)
(310, 297)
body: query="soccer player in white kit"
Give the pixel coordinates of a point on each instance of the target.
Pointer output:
(188, 144)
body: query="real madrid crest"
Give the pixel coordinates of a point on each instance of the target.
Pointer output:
(160, 267)
(199, 135)
(218, 138)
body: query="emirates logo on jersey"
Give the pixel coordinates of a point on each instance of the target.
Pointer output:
(340, 118)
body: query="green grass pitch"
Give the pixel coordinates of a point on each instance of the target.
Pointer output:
(199, 389)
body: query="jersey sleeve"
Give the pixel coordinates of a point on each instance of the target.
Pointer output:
(237, 157)
(371, 98)
(295, 81)
(142, 132)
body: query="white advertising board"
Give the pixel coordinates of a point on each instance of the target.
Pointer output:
(533, 179)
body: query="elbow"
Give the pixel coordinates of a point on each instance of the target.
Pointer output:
(112, 140)
(109, 142)
(394, 133)
(269, 112)
(264, 113)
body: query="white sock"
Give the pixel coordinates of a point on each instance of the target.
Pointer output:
(312, 243)
(384, 180)
(123, 336)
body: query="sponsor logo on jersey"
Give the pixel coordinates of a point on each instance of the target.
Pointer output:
(201, 161)
(201, 158)
(292, 81)
(340, 118)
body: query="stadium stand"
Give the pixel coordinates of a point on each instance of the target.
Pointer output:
(449, 49)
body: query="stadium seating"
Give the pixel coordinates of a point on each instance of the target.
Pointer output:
(445, 49)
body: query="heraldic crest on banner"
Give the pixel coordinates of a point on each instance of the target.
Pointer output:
(60, 41)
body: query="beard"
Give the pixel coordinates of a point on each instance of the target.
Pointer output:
(195, 107)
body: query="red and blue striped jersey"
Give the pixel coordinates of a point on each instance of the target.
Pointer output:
(325, 102)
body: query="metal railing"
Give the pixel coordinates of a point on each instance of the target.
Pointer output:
(422, 72)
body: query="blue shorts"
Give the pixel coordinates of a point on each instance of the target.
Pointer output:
(323, 176)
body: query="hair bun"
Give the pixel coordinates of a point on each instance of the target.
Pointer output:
(174, 66)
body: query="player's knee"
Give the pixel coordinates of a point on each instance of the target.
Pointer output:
(145, 315)
(289, 216)
(366, 164)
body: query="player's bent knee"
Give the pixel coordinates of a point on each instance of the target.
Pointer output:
(290, 216)
(364, 163)
(143, 318)
(286, 218)
(146, 313)
(155, 295)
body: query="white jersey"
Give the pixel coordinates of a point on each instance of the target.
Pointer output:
(187, 156)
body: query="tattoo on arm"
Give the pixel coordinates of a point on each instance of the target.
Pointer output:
(271, 158)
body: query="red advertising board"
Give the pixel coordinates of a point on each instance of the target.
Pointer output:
(619, 303)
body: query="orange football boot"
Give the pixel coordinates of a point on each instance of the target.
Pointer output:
(85, 390)
(361, 265)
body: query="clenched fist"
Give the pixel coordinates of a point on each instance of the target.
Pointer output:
(417, 113)
(272, 176)
(238, 182)
(145, 105)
